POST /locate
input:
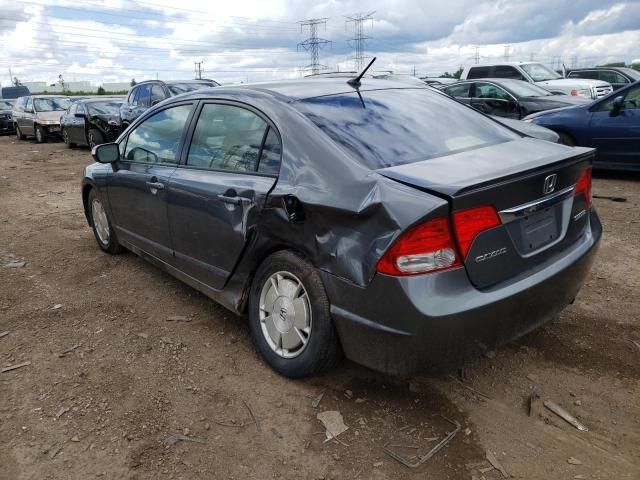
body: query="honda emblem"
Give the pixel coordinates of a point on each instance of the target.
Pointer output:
(550, 184)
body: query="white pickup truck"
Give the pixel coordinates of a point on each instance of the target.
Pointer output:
(541, 75)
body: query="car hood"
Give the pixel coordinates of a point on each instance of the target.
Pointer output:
(50, 115)
(577, 83)
(553, 110)
(555, 101)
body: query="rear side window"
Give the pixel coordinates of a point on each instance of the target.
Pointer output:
(478, 72)
(157, 139)
(507, 71)
(227, 138)
(461, 90)
(396, 126)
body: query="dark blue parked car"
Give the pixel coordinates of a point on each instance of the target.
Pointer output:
(611, 124)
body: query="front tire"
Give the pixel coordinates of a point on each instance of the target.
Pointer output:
(19, 134)
(289, 317)
(41, 136)
(65, 138)
(94, 137)
(102, 228)
(566, 139)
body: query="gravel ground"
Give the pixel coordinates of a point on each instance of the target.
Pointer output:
(123, 357)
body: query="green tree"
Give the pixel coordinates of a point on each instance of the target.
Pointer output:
(101, 91)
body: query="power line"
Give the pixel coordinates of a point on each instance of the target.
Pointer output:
(359, 40)
(313, 44)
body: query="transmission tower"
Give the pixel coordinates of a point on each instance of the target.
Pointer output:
(359, 40)
(313, 44)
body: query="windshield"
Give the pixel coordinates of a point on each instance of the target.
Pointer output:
(396, 126)
(539, 73)
(524, 89)
(51, 104)
(104, 108)
(6, 104)
(178, 88)
(635, 74)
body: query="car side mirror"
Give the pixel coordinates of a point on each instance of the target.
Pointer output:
(80, 115)
(106, 153)
(616, 106)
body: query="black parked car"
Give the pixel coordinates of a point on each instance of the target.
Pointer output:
(509, 98)
(6, 120)
(618, 77)
(91, 122)
(146, 94)
(385, 221)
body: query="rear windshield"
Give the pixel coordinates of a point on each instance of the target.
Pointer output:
(396, 126)
(178, 88)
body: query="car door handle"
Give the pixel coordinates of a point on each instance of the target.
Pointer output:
(155, 186)
(235, 200)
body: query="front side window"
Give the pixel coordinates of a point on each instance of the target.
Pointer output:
(487, 90)
(157, 139)
(227, 138)
(383, 128)
(51, 104)
(461, 90)
(142, 96)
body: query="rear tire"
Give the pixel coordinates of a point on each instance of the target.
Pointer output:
(19, 134)
(102, 228)
(94, 137)
(289, 317)
(41, 136)
(566, 139)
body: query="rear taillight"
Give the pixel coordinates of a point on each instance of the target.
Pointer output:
(469, 223)
(425, 248)
(584, 185)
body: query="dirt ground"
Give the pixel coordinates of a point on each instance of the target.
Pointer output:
(133, 375)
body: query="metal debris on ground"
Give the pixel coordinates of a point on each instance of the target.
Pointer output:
(316, 401)
(388, 448)
(610, 197)
(333, 424)
(16, 264)
(52, 451)
(178, 437)
(532, 398)
(496, 464)
(253, 417)
(471, 389)
(13, 367)
(566, 416)
(69, 350)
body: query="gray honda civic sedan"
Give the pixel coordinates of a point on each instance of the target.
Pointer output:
(376, 220)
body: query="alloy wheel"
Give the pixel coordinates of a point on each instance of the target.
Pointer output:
(100, 221)
(285, 314)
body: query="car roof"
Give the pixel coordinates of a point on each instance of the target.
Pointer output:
(293, 90)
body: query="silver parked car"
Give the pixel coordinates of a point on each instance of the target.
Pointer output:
(39, 115)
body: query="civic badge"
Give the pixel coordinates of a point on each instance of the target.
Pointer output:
(550, 184)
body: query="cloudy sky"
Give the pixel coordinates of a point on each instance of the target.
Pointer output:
(250, 40)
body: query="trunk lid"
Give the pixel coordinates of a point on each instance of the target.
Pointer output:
(530, 183)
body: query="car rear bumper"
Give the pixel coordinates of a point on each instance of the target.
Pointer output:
(402, 325)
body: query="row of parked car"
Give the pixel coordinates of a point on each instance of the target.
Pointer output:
(580, 108)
